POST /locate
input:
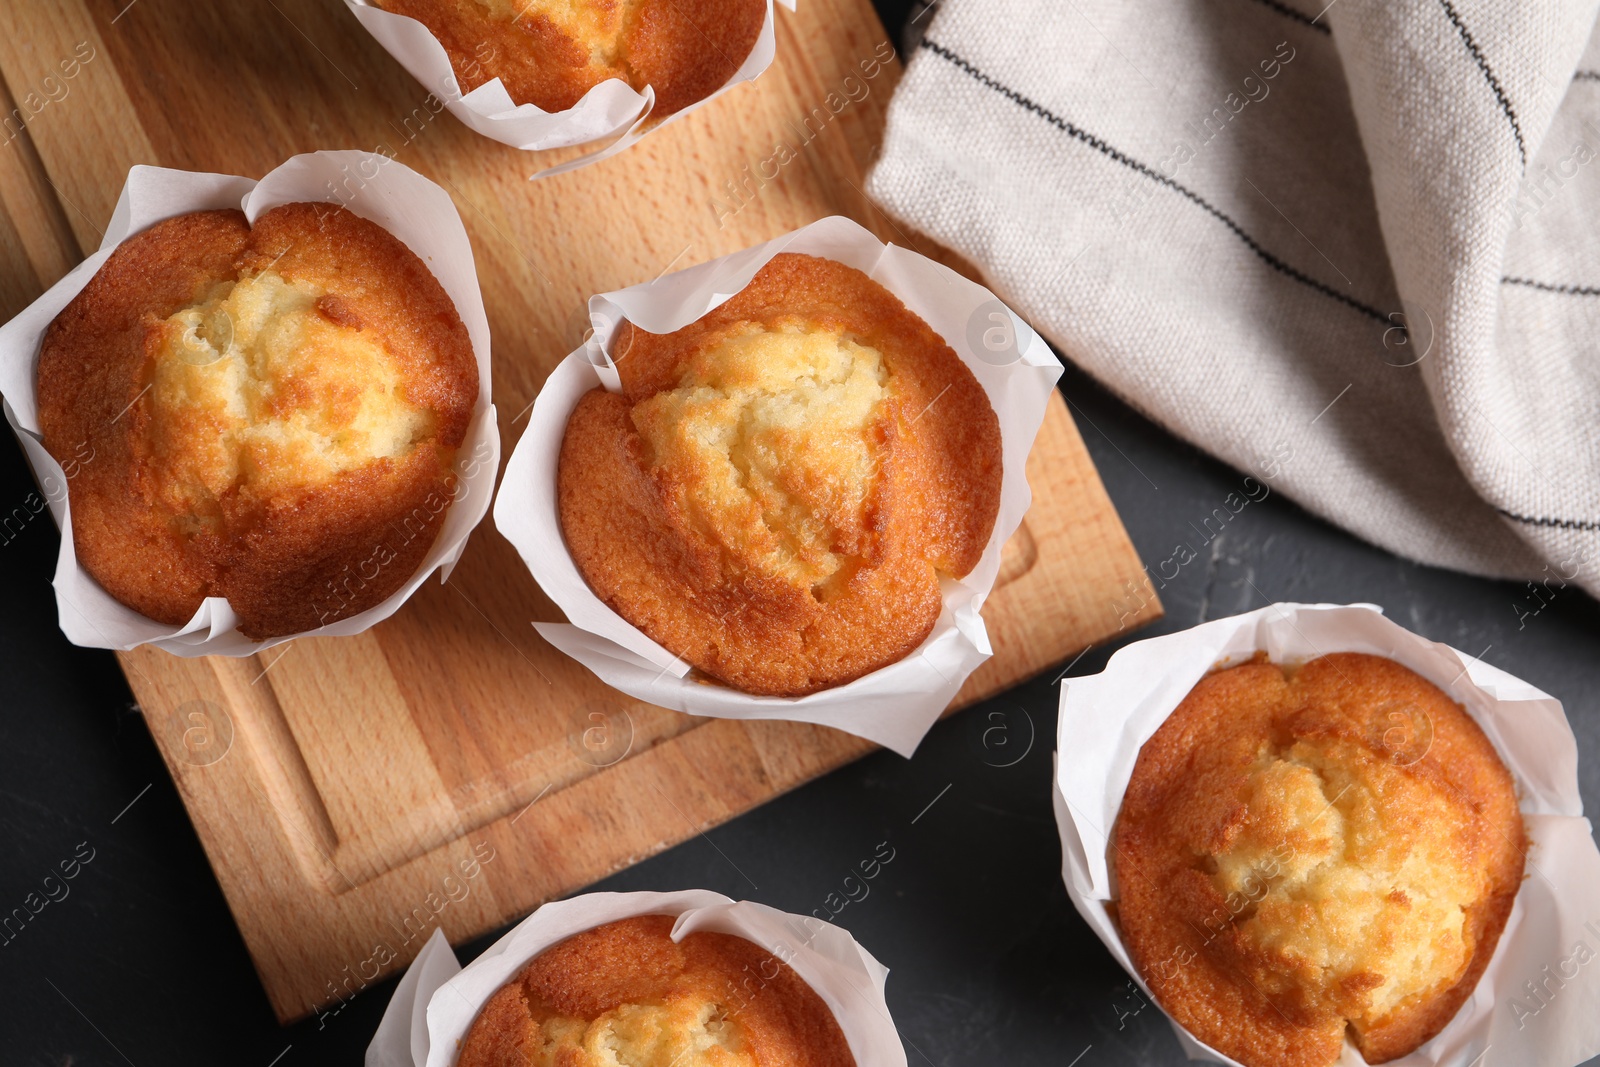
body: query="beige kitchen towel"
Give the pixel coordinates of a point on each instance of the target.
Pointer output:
(1352, 249)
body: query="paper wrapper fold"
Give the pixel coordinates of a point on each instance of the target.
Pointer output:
(437, 1000)
(894, 706)
(1535, 1005)
(612, 111)
(400, 200)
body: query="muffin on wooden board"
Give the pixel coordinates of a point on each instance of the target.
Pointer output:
(779, 486)
(1305, 852)
(625, 992)
(549, 53)
(272, 411)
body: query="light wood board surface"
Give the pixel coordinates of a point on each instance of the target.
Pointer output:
(448, 767)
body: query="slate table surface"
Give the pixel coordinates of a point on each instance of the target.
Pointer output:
(141, 963)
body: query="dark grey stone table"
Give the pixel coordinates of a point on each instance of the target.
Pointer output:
(141, 963)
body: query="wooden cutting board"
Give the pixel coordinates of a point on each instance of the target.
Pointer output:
(448, 767)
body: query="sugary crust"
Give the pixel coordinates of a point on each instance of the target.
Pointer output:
(1420, 781)
(685, 49)
(932, 507)
(287, 561)
(779, 1020)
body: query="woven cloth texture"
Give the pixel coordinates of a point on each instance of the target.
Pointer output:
(1353, 251)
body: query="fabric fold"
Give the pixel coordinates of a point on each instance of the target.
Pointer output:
(1348, 247)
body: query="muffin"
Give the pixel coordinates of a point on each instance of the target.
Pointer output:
(627, 993)
(778, 488)
(268, 414)
(549, 53)
(1308, 852)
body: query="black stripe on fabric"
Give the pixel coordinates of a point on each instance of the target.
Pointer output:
(1107, 150)
(1548, 287)
(1290, 13)
(1565, 524)
(1571, 290)
(1587, 76)
(1494, 82)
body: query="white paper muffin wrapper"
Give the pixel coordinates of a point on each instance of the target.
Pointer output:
(612, 110)
(1555, 921)
(395, 197)
(437, 1000)
(894, 706)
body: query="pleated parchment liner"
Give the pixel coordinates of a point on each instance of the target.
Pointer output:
(374, 187)
(893, 706)
(1516, 1015)
(613, 111)
(437, 1000)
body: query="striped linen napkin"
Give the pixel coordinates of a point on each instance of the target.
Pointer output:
(1353, 250)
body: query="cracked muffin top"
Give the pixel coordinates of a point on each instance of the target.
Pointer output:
(778, 488)
(1305, 853)
(549, 53)
(626, 993)
(268, 414)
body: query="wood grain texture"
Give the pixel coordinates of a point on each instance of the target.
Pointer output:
(448, 767)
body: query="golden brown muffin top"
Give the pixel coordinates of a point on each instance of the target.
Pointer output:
(551, 52)
(626, 993)
(257, 389)
(777, 489)
(1305, 852)
(270, 415)
(775, 423)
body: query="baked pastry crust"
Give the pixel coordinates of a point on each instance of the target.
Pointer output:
(550, 52)
(1302, 853)
(270, 415)
(625, 992)
(778, 487)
